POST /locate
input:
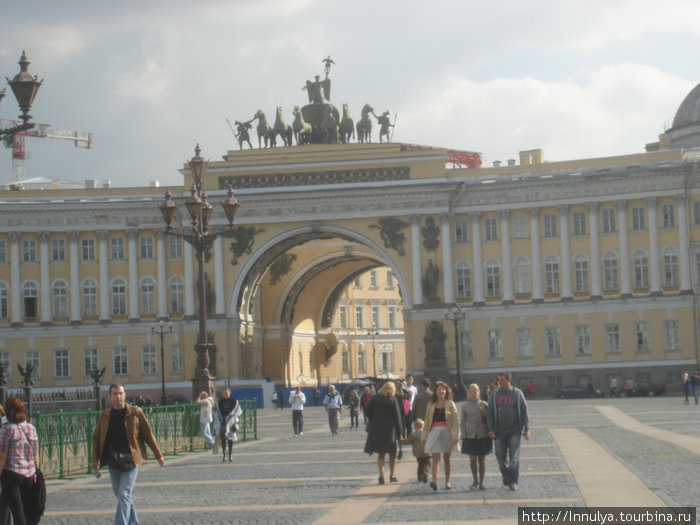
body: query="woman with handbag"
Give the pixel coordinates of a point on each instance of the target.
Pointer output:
(19, 456)
(384, 428)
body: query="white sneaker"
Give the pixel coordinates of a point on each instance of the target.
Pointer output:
(301, 433)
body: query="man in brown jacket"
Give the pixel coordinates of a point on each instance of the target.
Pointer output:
(119, 441)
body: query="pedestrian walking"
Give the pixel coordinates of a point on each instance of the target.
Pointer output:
(384, 428)
(421, 400)
(281, 399)
(206, 417)
(297, 400)
(228, 414)
(317, 396)
(686, 388)
(274, 399)
(334, 406)
(475, 439)
(422, 457)
(695, 382)
(19, 457)
(118, 441)
(409, 391)
(364, 401)
(354, 404)
(531, 390)
(507, 419)
(441, 431)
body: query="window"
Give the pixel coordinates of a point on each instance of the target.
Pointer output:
(467, 345)
(28, 250)
(554, 382)
(672, 336)
(88, 250)
(175, 246)
(495, 344)
(640, 262)
(375, 316)
(696, 213)
(121, 361)
(119, 297)
(551, 274)
(581, 273)
(490, 229)
(519, 227)
(373, 279)
(579, 222)
(493, 279)
(148, 296)
(391, 317)
(359, 318)
(638, 222)
(148, 360)
(177, 295)
(610, 272)
(608, 220)
(89, 361)
(668, 213)
(553, 341)
(176, 359)
(390, 280)
(31, 358)
(5, 363)
(361, 362)
(523, 342)
(550, 224)
(29, 291)
(642, 337)
(358, 283)
(60, 363)
(60, 299)
(146, 247)
(3, 250)
(583, 339)
(89, 294)
(58, 250)
(387, 357)
(461, 232)
(3, 301)
(670, 267)
(521, 273)
(612, 338)
(345, 361)
(117, 248)
(463, 279)
(342, 317)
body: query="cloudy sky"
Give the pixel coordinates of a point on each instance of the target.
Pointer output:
(150, 79)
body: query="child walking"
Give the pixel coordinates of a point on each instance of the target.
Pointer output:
(419, 453)
(475, 439)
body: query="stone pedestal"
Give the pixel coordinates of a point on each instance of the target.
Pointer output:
(436, 369)
(203, 383)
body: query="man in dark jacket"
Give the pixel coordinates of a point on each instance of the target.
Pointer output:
(421, 400)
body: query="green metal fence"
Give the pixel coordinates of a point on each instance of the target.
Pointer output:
(65, 438)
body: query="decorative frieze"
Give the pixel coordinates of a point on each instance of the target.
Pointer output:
(305, 178)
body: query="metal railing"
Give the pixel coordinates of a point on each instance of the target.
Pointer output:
(65, 438)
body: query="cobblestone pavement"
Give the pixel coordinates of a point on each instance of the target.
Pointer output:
(320, 478)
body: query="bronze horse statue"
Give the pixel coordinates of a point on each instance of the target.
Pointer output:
(347, 126)
(264, 130)
(329, 128)
(364, 125)
(281, 129)
(301, 128)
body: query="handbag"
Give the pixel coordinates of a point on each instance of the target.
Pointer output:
(36, 501)
(120, 459)
(399, 454)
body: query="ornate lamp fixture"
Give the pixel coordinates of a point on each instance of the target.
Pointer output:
(25, 87)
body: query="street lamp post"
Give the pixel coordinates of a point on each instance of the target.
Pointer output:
(457, 314)
(25, 87)
(201, 238)
(374, 332)
(161, 332)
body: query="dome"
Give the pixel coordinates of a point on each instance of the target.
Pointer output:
(689, 110)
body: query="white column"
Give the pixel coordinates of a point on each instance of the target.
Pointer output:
(448, 287)
(416, 261)
(189, 280)
(625, 287)
(565, 252)
(15, 284)
(133, 256)
(536, 263)
(220, 292)
(477, 266)
(594, 239)
(105, 312)
(162, 276)
(507, 296)
(685, 283)
(74, 270)
(45, 278)
(654, 255)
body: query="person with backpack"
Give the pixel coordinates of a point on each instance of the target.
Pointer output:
(334, 406)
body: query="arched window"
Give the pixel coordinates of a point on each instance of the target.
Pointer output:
(521, 275)
(493, 278)
(59, 292)
(147, 291)
(177, 295)
(118, 296)
(611, 280)
(640, 261)
(89, 298)
(463, 280)
(580, 273)
(670, 267)
(551, 274)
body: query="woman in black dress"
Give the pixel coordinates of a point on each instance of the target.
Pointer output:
(384, 428)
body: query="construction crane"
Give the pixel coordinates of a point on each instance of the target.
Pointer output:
(16, 141)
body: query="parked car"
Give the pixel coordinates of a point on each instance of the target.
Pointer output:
(644, 388)
(576, 391)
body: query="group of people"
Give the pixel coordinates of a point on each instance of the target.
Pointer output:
(691, 384)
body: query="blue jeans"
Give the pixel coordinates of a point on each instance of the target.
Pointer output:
(507, 450)
(696, 393)
(333, 419)
(206, 434)
(123, 482)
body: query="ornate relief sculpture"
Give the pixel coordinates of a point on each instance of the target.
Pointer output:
(434, 340)
(431, 235)
(390, 232)
(243, 241)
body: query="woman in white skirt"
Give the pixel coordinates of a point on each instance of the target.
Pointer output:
(441, 431)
